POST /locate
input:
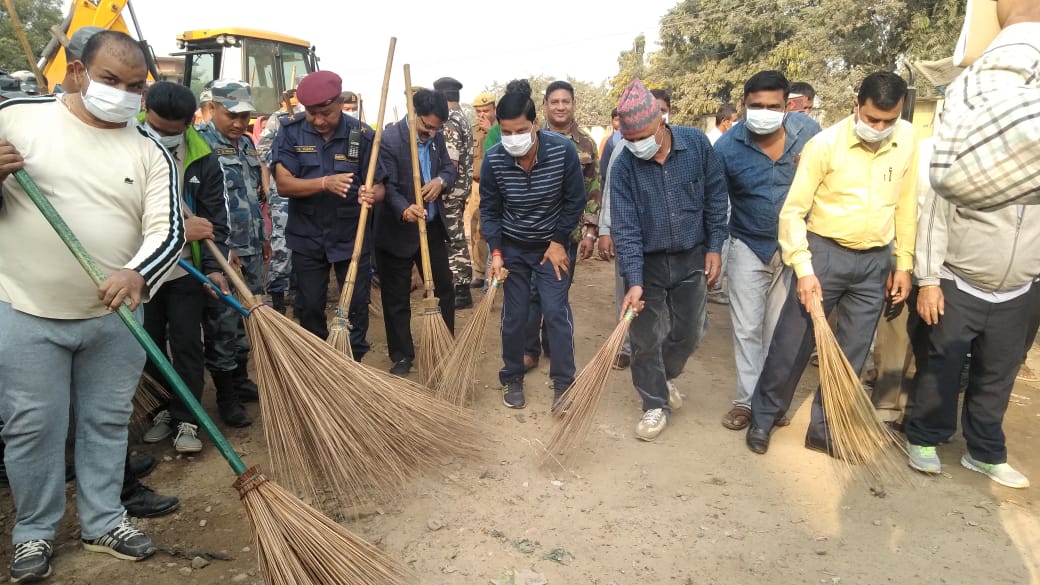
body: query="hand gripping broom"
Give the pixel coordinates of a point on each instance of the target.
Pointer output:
(296, 544)
(339, 328)
(435, 340)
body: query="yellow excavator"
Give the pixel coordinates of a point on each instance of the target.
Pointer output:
(270, 62)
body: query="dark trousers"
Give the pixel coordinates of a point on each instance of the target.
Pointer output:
(536, 332)
(994, 334)
(525, 272)
(312, 291)
(1033, 318)
(395, 286)
(668, 330)
(853, 283)
(174, 316)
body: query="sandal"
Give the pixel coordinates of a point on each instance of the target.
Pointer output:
(739, 417)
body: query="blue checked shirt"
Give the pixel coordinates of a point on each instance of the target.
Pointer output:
(672, 207)
(757, 184)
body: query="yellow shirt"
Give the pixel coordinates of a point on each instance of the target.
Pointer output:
(858, 198)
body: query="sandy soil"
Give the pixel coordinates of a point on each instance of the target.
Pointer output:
(695, 507)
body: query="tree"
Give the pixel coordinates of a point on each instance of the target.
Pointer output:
(593, 102)
(710, 47)
(37, 16)
(631, 65)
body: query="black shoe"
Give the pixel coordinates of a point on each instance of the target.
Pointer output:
(246, 388)
(558, 392)
(278, 301)
(820, 445)
(142, 464)
(124, 541)
(234, 414)
(401, 367)
(477, 283)
(757, 440)
(31, 561)
(463, 298)
(142, 502)
(622, 361)
(513, 395)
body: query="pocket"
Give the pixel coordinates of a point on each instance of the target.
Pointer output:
(695, 195)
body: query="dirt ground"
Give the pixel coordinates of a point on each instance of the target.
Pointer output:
(694, 508)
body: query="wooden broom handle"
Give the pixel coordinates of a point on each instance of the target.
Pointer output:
(424, 242)
(373, 160)
(236, 279)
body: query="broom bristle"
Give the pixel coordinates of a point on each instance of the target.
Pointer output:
(577, 407)
(298, 545)
(333, 423)
(148, 398)
(453, 379)
(339, 333)
(435, 342)
(858, 436)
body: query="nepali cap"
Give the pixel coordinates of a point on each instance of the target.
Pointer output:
(637, 107)
(234, 95)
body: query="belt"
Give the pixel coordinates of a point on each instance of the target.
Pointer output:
(848, 249)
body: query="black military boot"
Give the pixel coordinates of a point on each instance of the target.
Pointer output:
(278, 301)
(229, 405)
(246, 388)
(463, 298)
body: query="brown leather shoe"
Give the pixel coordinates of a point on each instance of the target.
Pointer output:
(738, 418)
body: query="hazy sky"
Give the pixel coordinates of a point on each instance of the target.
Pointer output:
(475, 42)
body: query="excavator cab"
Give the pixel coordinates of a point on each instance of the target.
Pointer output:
(271, 63)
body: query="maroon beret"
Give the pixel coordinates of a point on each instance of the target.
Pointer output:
(318, 88)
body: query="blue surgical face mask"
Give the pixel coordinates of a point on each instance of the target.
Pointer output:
(644, 148)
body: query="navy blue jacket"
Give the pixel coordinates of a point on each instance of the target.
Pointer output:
(393, 235)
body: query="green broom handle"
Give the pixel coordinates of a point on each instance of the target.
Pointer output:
(153, 351)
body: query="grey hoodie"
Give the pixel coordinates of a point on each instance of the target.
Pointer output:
(995, 251)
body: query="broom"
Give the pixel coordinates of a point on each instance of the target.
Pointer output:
(858, 437)
(339, 327)
(453, 378)
(577, 407)
(295, 544)
(148, 398)
(334, 423)
(435, 340)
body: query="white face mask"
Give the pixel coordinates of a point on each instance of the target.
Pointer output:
(762, 121)
(645, 148)
(110, 104)
(518, 145)
(870, 135)
(351, 113)
(665, 118)
(170, 143)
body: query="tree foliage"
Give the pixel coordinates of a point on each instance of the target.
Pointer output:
(710, 47)
(37, 16)
(593, 103)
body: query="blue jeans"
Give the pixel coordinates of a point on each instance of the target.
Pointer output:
(46, 365)
(527, 272)
(671, 325)
(757, 292)
(536, 333)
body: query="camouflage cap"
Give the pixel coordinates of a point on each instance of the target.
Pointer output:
(206, 96)
(484, 99)
(349, 97)
(233, 95)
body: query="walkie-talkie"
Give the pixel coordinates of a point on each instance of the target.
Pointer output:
(354, 145)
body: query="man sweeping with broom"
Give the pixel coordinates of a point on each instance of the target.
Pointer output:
(852, 195)
(57, 330)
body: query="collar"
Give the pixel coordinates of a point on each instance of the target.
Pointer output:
(679, 140)
(339, 133)
(573, 131)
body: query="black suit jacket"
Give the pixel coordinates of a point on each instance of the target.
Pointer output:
(392, 234)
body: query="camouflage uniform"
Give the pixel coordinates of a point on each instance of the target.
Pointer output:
(278, 272)
(226, 342)
(459, 139)
(471, 216)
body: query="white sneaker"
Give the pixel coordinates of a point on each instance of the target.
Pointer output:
(924, 459)
(187, 440)
(160, 428)
(674, 398)
(1001, 473)
(651, 425)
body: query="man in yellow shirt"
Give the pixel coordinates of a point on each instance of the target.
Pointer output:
(853, 194)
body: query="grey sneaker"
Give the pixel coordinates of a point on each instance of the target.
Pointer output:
(513, 395)
(1001, 473)
(31, 561)
(160, 428)
(123, 542)
(924, 459)
(674, 398)
(651, 425)
(187, 439)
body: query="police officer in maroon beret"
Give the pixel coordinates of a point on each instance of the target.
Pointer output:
(320, 161)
